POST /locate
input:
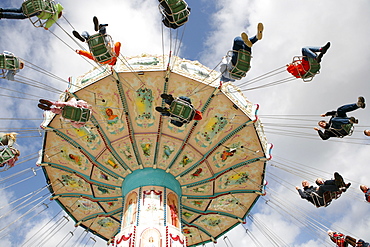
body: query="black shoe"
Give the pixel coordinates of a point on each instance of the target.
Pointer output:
(162, 109)
(319, 57)
(353, 120)
(347, 185)
(96, 23)
(78, 36)
(46, 102)
(44, 107)
(339, 182)
(325, 48)
(102, 25)
(361, 102)
(167, 97)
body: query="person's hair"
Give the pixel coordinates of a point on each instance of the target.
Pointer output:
(21, 64)
(12, 135)
(362, 186)
(317, 181)
(365, 133)
(60, 14)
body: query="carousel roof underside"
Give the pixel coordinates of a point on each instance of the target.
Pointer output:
(86, 167)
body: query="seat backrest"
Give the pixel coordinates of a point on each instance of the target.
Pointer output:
(76, 114)
(314, 68)
(30, 7)
(9, 62)
(6, 154)
(176, 11)
(348, 128)
(242, 65)
(345, 130)
(99, 48)
(182, 109)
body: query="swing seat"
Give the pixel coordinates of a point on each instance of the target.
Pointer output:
(76, 114)
(346, 130)
(8, 62)
(242, 65)
(101, 47)
(326, 199)
(181, 111)
(6, 154)
(308, 74)
(30, 8)
(176, 12)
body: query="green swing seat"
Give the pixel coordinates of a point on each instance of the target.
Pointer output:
(101, 47)
(176, 11)
(8, 62)
(346, 130)
(32, 7)
(242, 65)
(76, 114)
(6, 154)
(181, 110)
(314, 68)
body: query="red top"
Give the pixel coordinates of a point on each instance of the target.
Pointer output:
(198, 115)
(338, 238)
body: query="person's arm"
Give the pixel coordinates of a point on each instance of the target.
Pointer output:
(330, 113)
(85, 53)
(324, 135)
(302, 194)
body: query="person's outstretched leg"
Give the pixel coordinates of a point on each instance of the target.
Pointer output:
(12, 10)
(239, 44)
(309, 51)
(15, 16)
(341, 111)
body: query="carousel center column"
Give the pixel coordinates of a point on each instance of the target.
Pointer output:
(151, 210)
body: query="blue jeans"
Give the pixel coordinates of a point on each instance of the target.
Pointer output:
(240, 45)
(86, 35)
(15, 13)
(309, 51)
(225, 79)
(341, 116)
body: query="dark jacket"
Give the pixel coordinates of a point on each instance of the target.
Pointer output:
(306, 193)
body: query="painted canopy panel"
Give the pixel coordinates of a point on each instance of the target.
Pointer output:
(219, 161)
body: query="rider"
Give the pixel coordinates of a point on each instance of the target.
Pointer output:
(46, 105)
(17, 13)
(8, 138)
(11, 162)
(169, 17)
(307, 191)
(84, 37)
(308, 52)
(10, 71)
(366, 190)
(334, 128)
(168, 99)
(240, 43)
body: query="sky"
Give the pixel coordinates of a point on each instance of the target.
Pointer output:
(289, 26)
